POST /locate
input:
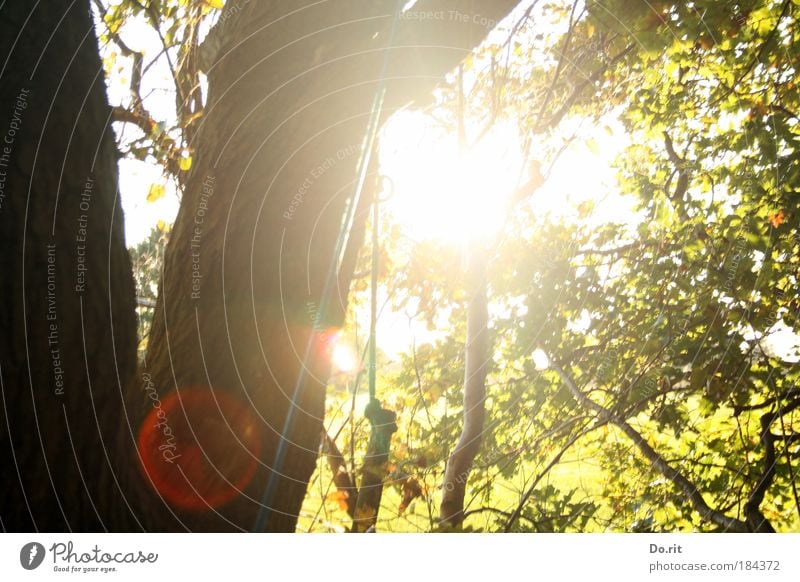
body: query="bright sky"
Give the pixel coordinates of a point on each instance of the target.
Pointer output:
(438, 192)
(157, 91)
(441, 195)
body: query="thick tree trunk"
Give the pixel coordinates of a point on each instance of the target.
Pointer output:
(290, 93)
(476, 350)
(67, 321)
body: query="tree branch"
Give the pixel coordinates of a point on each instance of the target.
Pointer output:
(754, 516)
(553, 462)
(678, 195)
(686, 487)
(142, 119)
(560, 66)
(341, 477)
(556, 118)
(792, 479)
(476, 358)
(757, 58)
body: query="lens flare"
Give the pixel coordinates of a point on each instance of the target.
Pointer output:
(199, 447)
(344, 358)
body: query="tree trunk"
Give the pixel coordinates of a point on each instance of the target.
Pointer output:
(290, 92)
(373, 472)
(459, 465)
(68, 341)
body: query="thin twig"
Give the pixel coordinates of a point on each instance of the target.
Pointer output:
(553, 462)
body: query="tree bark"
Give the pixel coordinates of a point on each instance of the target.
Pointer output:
(341, 477)
(459, 465)
(67, 321)
(373, 471)
(290, 92)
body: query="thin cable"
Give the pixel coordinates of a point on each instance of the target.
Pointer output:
(373, 313)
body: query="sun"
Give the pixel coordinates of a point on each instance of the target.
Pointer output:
(439, 192)
(344, 357)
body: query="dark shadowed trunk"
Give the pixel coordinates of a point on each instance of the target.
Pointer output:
(67, 322)
(291, 86)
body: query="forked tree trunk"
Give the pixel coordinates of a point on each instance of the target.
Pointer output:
(67, 320)
(476, 350)
(290, 93)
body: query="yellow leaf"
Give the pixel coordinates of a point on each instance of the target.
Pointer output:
(161, 226)
(218, 4)
(185, 163)
(585, 208)
(156, 192)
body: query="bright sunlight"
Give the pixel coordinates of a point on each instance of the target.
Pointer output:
(442, 193)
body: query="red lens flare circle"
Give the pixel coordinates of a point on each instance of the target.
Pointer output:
(199, 447)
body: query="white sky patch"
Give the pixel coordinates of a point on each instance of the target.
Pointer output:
(399, 331)
(540, 359)
(783, 343)
(157, 91)
(585, 174)
(780, 342)
(142, 216)
(580, 324)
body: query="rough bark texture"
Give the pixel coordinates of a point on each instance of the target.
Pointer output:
(290, 90)
(373, 471)
(67, 321)
(459, 465)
